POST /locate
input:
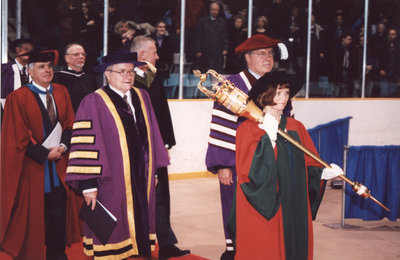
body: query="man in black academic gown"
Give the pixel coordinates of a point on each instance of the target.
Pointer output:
(148, 79)
(78, 83)
(15, 74)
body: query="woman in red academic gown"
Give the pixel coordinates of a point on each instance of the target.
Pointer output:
(279, 188)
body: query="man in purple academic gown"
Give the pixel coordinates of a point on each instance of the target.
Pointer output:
(15, 74)
(116, 147)
(220, 159)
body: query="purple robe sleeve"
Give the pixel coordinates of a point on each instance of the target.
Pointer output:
(221, 144)
(7, 79)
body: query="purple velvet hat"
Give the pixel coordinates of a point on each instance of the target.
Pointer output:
(122, 56)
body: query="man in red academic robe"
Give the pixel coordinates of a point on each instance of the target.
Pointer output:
(37, 208)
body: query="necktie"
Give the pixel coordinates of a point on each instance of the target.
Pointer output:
(24, 76)
(50, 108)
(129, 107)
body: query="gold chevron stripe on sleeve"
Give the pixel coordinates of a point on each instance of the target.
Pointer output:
(82, 125)
(84, 155)
(81, 139)
(84, 169)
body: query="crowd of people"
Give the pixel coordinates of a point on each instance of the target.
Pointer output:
(214, 28)
(67, 141)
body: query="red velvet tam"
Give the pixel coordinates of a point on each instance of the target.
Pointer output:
(255, 42)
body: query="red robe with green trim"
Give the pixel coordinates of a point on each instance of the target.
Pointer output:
(263, 230)
(22, 178)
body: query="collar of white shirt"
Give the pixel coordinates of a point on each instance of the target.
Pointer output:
(40, 87)
(254, 74)
(19, 65)
(128, 93)
(140, 72)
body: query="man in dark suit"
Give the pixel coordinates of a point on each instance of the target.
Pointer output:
(212, 42)
(147, 78)
(164, 49)
(340, 68)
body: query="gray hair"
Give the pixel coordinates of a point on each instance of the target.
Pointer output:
(70, 45)
(140, 42)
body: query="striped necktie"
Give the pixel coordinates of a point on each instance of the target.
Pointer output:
(24, 76)
(50, 108)
(129, 107)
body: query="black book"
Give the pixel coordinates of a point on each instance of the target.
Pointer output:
(100, 220)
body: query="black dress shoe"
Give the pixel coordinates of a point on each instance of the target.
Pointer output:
(228, 255)
(171, 251)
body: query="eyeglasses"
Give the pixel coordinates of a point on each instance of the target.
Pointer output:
(123, 73)
(77, 54)
(263, 54)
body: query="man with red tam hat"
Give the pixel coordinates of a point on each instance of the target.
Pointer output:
(259, 52)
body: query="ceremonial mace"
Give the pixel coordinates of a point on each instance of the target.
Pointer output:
(228, 95)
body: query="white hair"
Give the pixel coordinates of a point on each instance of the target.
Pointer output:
(140, 42)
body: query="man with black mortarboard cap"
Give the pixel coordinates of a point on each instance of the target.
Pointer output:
(38, 210)
(15, 74)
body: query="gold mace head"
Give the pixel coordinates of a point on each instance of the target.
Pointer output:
(228, 95)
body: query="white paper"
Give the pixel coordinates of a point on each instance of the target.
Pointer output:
(53, 140)
(109, 213)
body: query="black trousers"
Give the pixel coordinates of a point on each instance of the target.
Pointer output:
(165, 234)
(55, 221)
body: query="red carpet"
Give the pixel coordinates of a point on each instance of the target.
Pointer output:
(76, 253)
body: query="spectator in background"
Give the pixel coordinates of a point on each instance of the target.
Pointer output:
(340, 68)
(379, 39)
(114, 17)
(356, 68)
(195, 9)
(86, 24)
(164, 50)
(294, 35)
(123, 34)
(261, 26)
(318, 61)
(336, 31)
(15, 74)
(389, 64)
(278, 13)
(78, 83)
(212, 41)
(237, 34)
(66, 11)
